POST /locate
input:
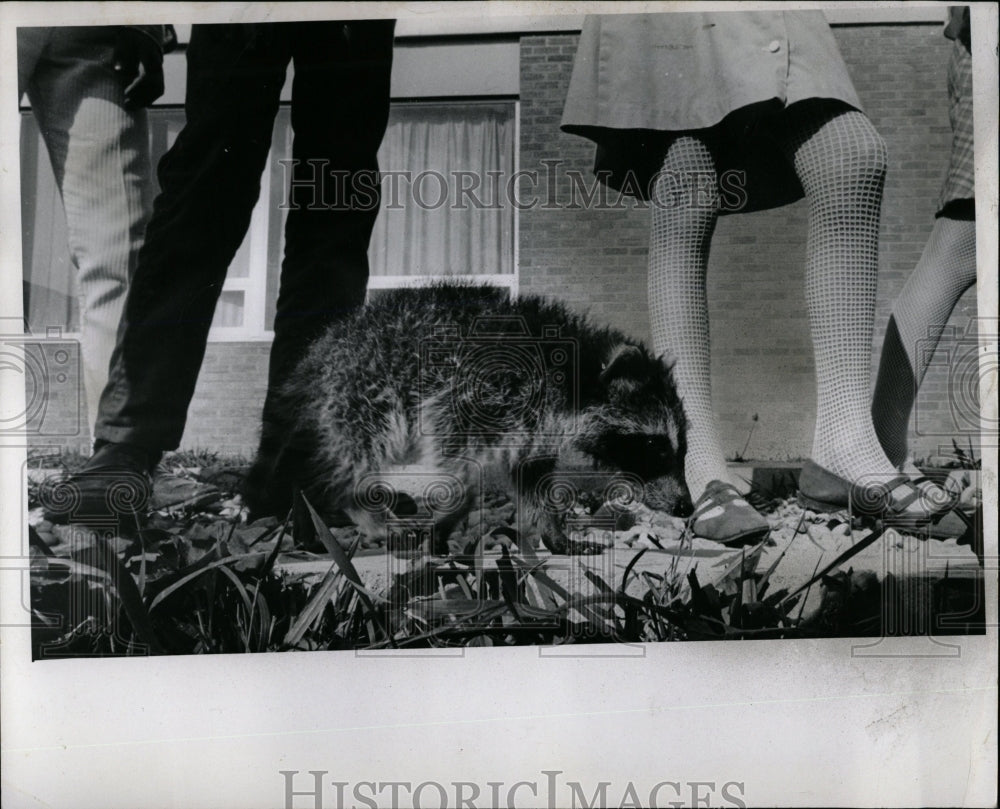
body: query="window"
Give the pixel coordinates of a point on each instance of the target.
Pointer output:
(444, 208)
(427, 227)
(49, 278)
(444, 213)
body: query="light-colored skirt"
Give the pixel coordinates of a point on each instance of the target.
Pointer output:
(639, 80)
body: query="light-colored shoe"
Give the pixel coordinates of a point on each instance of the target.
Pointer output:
(723, 515)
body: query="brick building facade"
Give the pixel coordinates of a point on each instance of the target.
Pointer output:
(761, 351)
(596, 258)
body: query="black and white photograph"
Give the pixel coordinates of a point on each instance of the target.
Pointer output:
(492, 355)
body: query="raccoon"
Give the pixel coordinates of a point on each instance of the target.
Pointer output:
(408, 408)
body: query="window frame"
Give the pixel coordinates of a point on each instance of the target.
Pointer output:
(254, 285)
(509, 281)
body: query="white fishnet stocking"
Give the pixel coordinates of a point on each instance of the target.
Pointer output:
(841, 162)
(678, 259)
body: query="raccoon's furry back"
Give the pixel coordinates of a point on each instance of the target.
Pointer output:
(358, 396)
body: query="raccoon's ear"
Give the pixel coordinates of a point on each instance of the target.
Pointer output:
(624, 362)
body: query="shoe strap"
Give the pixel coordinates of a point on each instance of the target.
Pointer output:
(924, 479)
(717, 493)
(914, 491)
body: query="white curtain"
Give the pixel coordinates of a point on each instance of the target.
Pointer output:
(432, 227)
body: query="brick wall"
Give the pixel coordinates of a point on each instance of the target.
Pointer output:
(761, 350)
(225, 412)
(224, 416)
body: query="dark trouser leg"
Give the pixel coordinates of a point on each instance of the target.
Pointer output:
(210, 181)
(340, 106)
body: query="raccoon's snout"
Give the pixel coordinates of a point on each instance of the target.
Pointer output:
(404, 505)
(668, 494)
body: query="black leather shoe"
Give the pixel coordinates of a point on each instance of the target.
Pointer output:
(111, 491)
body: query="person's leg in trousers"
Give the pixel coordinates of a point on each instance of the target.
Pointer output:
(210, 181)
(99, 150)
(340, 107)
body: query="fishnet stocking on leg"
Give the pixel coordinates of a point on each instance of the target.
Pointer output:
(841, 162)
(947, 268)
(685, 201)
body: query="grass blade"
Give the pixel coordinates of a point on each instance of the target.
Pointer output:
(805, 598)
(194, 574)
(852, 551)
(763, 584)
(539, 573)
(343, 561)
(273, 556)
(128, 594)
(35, 541)
(628, 569)
(314, 607)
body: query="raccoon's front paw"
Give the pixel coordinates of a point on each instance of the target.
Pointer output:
(555, 543)
(571, 547)
(587, 543)
(263, 495)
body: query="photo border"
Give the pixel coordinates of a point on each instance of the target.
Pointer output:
(801, 722)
